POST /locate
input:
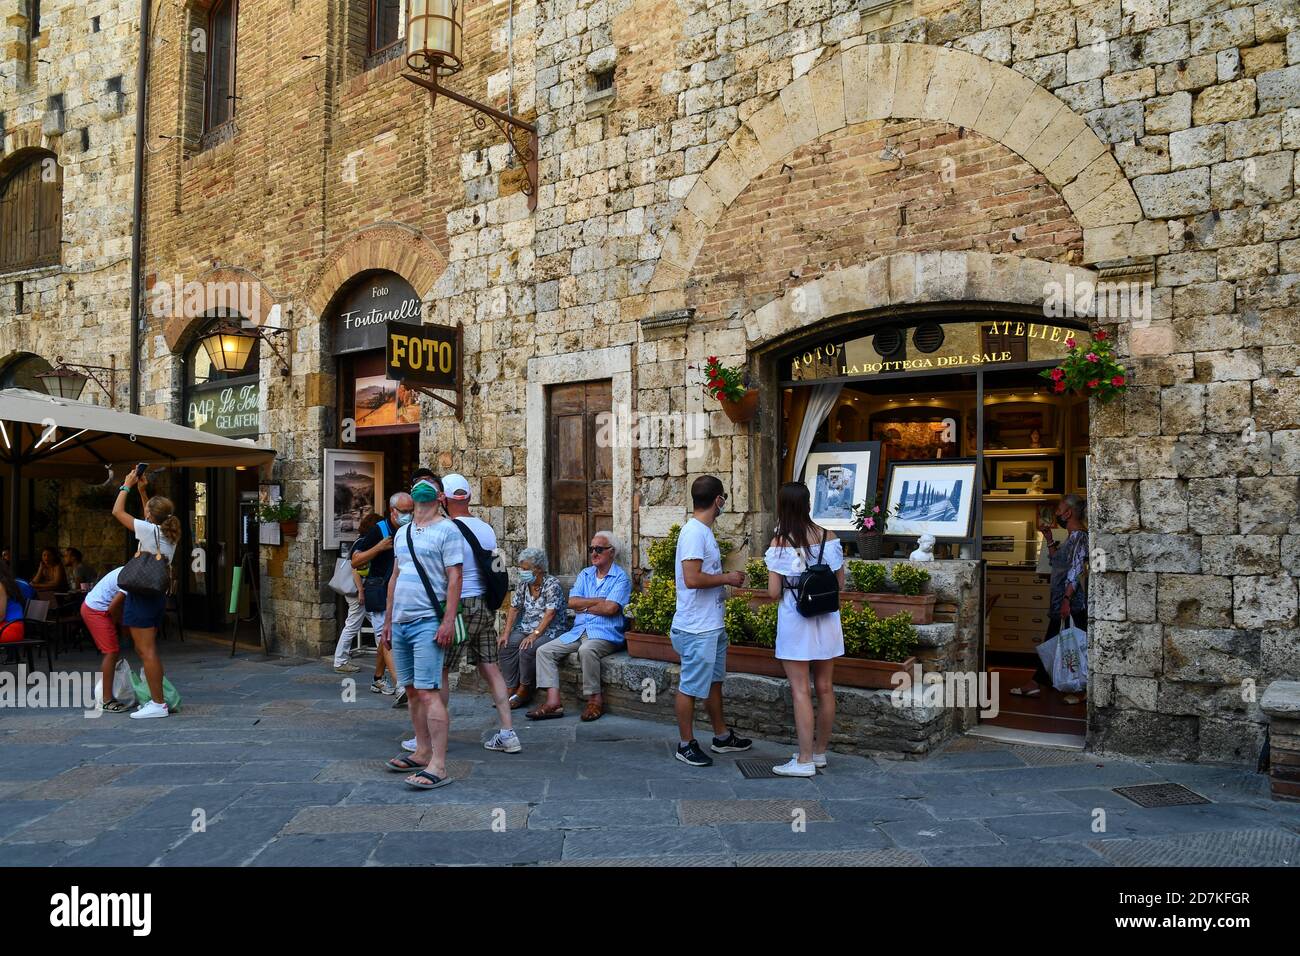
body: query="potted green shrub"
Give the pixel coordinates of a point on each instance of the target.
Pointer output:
(281, 513)
(909, 580)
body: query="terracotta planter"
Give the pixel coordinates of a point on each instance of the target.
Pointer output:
(869, 545)
(742, 659)
(887, 604)
(743, 410)
(289, 528)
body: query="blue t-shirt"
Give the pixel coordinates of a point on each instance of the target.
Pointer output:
(13, 611)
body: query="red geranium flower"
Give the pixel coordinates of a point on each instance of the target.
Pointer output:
(1069, 343)
(1092, 357)
(1094, 382)
(1117, 380)
(1057, 374)
(1060, 387)
(1099, 337)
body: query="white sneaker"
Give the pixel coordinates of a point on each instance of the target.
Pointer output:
(819, 760)
(409, 745)
(510, 745)
(796, 769)
(150, 709)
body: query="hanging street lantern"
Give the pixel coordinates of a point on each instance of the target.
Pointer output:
(434, 40)
(68, 379)
(229, 346)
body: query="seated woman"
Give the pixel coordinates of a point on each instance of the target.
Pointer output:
(11, 606)
(79, 573)
(537, 615)
(50, 575)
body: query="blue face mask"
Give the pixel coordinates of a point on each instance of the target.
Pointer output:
(403, 518)
(527, 577)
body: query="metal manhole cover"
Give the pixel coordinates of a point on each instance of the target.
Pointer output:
(1161, 795)
(760, 769)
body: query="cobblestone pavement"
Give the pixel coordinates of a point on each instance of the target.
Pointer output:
(287, 773)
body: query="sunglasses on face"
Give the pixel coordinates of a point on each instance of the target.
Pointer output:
(597, 549)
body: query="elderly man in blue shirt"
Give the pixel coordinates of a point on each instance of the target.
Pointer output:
(598, 596)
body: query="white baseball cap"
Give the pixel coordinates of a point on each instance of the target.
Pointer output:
(455, 486)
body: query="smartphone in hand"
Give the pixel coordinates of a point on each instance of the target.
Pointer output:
(140, 469)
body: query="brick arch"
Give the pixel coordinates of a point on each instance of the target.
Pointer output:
(907, 81)
(391, 247)
(910, 278)
(224, 287)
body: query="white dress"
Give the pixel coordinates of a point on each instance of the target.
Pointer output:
(800, 638)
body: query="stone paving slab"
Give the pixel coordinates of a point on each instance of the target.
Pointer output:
(72, 783)
(234, 838)
(1224, 848)
(701, 812)
(647, 842)
(471, 848)
(1016, 854)
(35, 854)
(85, 818)
(318, 850)
(356, 819)
(459, 816)
(914, 836)
(890, 857)
(815, 836)
(556, 814)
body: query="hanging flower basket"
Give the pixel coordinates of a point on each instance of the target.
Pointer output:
(1089, 370)
(730, 386)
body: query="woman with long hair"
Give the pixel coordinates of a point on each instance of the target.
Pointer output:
(156, 533)
(50, 574)
(804, 643)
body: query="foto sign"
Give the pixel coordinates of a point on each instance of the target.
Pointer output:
(427, 355)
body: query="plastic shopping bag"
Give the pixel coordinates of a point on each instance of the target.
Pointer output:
(123, 687)
(170, 694)
(1065, 657)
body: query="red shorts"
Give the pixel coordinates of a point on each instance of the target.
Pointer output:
(11, 631)
(102, 628)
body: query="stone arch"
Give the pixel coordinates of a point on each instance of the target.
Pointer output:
(913, 81)
(225, 287)
(910, 278)
(387, 246)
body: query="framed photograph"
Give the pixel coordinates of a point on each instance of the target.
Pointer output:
(268, 493)
(1077, 476)
(839, 476)
(932, 497)
(1017, 425)
(354, 487)
(1032, 475)
(1008, 542)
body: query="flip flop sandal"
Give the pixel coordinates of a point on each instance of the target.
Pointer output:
(435, 781)
(403, 764)
(1026, 693)
(116, 706)
(541, 713)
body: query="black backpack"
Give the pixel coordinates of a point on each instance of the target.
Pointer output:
(818, 590)
(496, 582)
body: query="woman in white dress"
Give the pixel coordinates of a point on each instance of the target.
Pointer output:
(804, 643)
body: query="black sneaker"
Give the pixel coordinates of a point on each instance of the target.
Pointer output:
(693, 755)
(730, 743)
(401, 700)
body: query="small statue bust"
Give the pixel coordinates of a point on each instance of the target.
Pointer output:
(1035, 440)
(924, 549)
(1036, 485)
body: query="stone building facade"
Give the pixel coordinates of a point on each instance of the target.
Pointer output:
(67, 104)
(757, 173)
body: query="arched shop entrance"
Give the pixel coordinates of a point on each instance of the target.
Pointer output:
(943, 414)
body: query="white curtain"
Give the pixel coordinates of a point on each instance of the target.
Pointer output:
(820, 404)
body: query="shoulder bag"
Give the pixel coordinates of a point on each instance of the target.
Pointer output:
(458, 632)
(496, 583)
(147, 574)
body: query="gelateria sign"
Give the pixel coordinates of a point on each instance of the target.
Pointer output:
(960, 345)
(362, 317)
(232, 412)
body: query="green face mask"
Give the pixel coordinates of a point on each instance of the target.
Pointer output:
(424, 491)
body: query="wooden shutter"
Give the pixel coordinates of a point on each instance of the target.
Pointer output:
(580, 472)
(31, 214)
(221, 63)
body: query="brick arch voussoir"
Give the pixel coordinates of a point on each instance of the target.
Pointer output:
(909, 278)
(223, 287)
(392, 247)
(906, 81)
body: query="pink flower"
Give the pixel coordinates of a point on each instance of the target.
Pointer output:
(1057, 374)
(1069, 343)
(876, 508)
(1092, 357)
(869, 523)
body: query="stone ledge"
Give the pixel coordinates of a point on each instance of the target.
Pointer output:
(1282, 699)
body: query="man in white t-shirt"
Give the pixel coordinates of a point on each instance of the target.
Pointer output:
(698, 632)
(480, 620)
(101, 612)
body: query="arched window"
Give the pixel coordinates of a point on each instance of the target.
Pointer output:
(223, 403)
(220, 93)
(31, 213)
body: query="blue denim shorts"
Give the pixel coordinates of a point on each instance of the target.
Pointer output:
(704, 660)
(417, 657)
(143, 612)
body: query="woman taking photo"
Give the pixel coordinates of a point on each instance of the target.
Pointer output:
(804, 643)
(157, 533)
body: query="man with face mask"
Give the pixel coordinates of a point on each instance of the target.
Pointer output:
(698, 632)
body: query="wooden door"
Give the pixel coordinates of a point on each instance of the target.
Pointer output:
(580, 472)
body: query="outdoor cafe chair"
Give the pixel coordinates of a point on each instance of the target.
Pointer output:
(37, 613)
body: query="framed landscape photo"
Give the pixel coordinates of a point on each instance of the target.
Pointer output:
(1077, 476)
(931, 497)
(839, 476)
(1025, 474)
(354, 487)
